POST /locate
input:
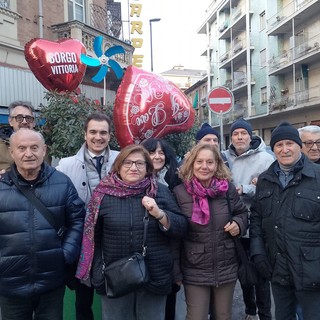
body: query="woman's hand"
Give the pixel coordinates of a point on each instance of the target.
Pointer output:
(151, 205)
(232, 228)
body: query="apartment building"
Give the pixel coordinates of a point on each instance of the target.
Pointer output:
(21, 21)
(267, 53)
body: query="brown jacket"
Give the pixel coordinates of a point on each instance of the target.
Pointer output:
(208, 255)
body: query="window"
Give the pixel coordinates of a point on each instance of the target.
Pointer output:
(262, 20)
(263, 58)
(263, 95)
(76, 10)
(5, 4)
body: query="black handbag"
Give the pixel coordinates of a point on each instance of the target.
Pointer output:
(247, 272)
(130, 273)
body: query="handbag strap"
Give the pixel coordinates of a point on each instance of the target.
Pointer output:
(237, 241)
(145, 230)
(46, 213)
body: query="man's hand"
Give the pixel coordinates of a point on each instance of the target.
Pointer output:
(239, 190)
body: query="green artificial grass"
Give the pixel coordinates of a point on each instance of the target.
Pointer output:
(69, 308)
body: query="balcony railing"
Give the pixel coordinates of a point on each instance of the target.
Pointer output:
(236, 14)
(286, 12)
(279, 61)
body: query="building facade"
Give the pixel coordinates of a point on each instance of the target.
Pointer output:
(267, 53)
(22, 21)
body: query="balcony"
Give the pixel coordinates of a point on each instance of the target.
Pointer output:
(238, 46)
(240, 79)
(224, 57)
(280, 61)
(223, 26)
(281, 22)
(306, 48)
(236, 13)
(86, 34)
(281, 103)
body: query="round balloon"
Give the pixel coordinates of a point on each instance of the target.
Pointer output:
(56, 64)
(147, 105)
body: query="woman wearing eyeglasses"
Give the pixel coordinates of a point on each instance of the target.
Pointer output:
(118, 205)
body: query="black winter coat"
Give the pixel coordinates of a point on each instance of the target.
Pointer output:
(120, 230)
(208, 254)
(285, 226)
(33, 257)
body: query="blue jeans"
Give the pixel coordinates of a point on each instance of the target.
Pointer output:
(286, 299)
(138, 305)
(46, 306)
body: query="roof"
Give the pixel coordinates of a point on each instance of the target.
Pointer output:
(180, 71)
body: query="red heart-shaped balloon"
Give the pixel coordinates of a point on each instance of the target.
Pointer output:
(57, 64)
(148, 105)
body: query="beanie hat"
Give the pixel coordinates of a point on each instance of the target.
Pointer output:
(243, 124)
(206, 129)
(285, 131)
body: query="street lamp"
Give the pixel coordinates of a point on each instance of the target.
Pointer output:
(150, 23)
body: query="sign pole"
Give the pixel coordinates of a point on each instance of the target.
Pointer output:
(221, 131)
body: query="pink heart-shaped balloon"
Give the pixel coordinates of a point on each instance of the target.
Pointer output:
(57, 64)
(148, 105)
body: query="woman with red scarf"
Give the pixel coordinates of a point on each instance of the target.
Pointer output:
(114, 228)
(208, 261)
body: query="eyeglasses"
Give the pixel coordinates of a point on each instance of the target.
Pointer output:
(309, 144)
(139, 164)
(19, 118)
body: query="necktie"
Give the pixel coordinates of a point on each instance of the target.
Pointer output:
(99, 162)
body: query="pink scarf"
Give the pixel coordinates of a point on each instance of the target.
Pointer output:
(200, 194)
(114, 186)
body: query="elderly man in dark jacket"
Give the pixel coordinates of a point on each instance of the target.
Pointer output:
(285, 227)
(33, 256)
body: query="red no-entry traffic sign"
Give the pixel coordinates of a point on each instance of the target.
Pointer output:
(220, 100)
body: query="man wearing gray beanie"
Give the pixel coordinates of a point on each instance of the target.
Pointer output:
(285, 227)
(247, 158)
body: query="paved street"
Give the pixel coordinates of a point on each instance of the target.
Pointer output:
(238, 311)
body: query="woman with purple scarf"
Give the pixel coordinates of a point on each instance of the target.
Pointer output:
(114, 229)
(208, 261)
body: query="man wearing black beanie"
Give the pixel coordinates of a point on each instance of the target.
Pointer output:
(247, 158)
(285, 227)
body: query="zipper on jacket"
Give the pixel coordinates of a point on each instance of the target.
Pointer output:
(214, 252)
(32, 215)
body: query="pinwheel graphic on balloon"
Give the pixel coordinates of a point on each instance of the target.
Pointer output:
(104, 61)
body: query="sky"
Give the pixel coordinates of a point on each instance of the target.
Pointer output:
(174, 38)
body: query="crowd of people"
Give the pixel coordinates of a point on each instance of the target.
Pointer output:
(65, 225)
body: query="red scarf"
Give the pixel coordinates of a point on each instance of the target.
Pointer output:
(200, 194)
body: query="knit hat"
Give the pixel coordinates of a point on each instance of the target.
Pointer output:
(285, 131)
(243, 124)
(206, 129)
